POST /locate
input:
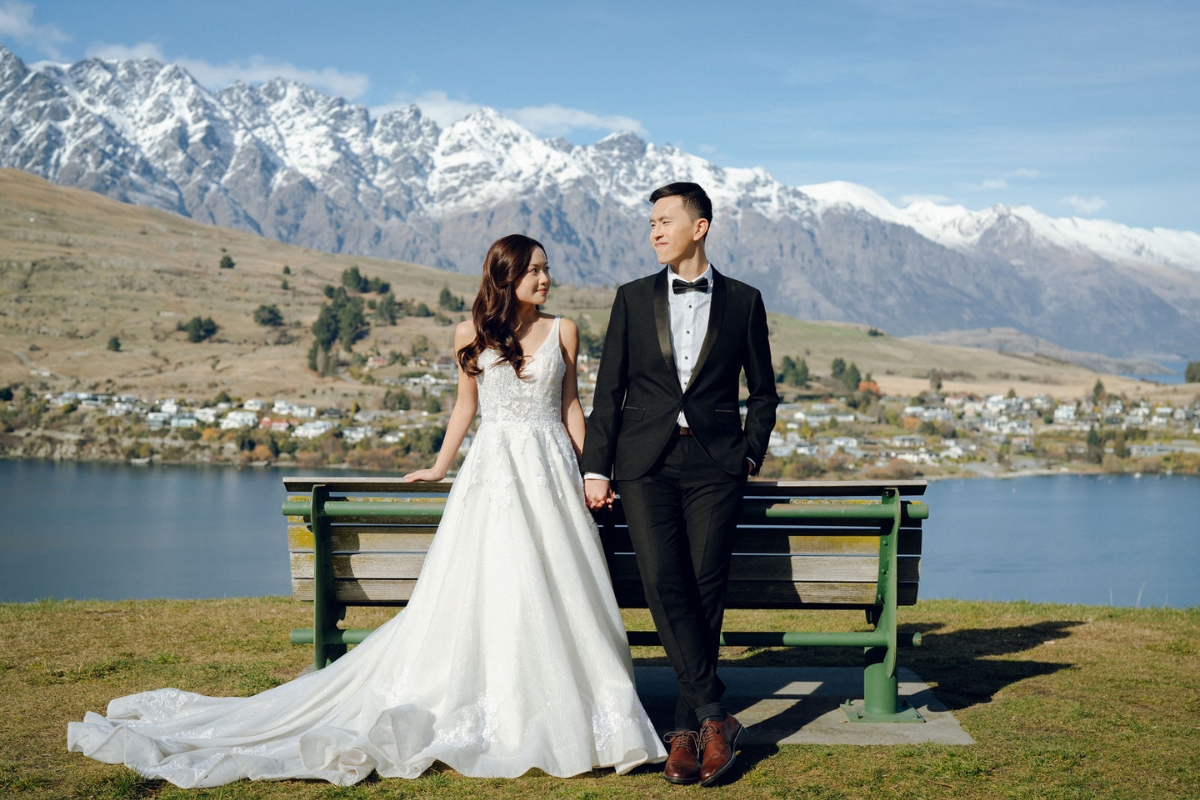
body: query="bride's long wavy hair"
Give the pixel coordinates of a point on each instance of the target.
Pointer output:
(495, 310)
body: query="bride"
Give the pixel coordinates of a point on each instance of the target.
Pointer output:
(511, 653)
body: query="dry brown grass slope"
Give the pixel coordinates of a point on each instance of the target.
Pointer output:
(77, 268)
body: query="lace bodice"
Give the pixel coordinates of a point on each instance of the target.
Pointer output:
(535, 398)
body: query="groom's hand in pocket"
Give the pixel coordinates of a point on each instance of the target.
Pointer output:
(597, 493)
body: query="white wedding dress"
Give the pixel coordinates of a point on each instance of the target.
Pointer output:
(510, 655)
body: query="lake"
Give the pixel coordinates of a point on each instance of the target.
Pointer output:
(116, 531)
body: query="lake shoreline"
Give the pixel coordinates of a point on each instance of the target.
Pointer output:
(970, 471)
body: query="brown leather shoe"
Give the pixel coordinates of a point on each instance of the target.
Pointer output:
(718, 745)
(683, 762)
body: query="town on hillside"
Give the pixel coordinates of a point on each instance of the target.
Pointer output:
(834, 426)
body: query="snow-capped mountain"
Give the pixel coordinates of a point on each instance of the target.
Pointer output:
(962, 229)
(292, 163)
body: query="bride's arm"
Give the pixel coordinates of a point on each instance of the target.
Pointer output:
(465, 406)
(572, 411)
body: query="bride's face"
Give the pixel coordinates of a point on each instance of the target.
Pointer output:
(534, 285)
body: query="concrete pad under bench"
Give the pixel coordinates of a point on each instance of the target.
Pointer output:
(801, 705)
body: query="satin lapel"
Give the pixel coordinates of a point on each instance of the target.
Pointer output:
(662, 321)
(716, 313)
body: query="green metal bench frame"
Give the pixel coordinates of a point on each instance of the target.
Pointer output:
(811, 502)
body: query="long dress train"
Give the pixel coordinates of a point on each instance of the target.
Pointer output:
(510, 655)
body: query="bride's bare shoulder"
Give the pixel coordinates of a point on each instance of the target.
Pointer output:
(464, 334)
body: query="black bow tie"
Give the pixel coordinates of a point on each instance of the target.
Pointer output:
(679, 286)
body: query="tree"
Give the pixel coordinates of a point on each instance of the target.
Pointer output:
(852, 377)
(387, 309)
(268, 316)
(420, 345)
(226, 262)
(355, 281)
(352, 280)
(287, 270)
(352, 325)
(837, 368)
(935, 380)
(450, 301)
(114, 344)
(1095, 446)
(792, 372)
(397, 400)
(198, 329)
(432, 405)
(1192, 373)
(284, 285)
(414, 309)
(590, 343)
(1098, 392)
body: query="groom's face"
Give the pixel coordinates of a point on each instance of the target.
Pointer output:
(673, 231)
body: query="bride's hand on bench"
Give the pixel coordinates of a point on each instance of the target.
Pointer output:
(432, 474)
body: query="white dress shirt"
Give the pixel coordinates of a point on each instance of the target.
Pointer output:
(689, 323)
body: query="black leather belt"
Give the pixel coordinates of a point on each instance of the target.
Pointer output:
(682, 431)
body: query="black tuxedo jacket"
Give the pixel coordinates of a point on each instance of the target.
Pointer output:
(638, 397)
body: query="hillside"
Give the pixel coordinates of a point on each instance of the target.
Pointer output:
(77, 268)
(291, 163)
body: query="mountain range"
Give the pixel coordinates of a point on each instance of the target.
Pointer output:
(289, 162)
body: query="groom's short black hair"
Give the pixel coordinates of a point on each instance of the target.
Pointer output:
(693, 196)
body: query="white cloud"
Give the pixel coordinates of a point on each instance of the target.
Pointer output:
(546, 120)
(1084, 205)
(16, 21)
(554, 120)
(438, 106)
(990, 183)
(256, 69)
(937, 199)
(1023, 172)
(259, 69)
(706, 149)
(121, 52)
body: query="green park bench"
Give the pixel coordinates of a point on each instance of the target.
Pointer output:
(801, 545)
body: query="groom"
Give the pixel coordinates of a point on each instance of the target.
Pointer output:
(665, 427)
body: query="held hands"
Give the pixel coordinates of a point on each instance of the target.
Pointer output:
(432, 474)
(598, 493)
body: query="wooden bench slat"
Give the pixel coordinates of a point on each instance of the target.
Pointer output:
(417, 538)
(756, 540)
(623, 567)
(756, 594)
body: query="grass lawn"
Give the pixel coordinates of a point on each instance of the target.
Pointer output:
(1063, 701)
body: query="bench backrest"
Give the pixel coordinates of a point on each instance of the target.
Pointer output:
(779, 561)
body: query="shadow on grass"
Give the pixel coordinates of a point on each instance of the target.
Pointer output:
(966, 667)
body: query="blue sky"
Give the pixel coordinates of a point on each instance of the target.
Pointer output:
(1077, 108)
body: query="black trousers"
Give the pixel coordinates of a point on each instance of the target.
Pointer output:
(682, 518)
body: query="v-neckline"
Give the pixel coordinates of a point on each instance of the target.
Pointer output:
(541, 346)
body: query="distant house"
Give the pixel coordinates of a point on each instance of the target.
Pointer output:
(254, 405)
(206, 415)
(156, 419)
(1065, 414)
(311, 430)
(239, 419)
(355, 435)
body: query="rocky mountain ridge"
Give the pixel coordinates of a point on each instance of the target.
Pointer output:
(291, 163)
